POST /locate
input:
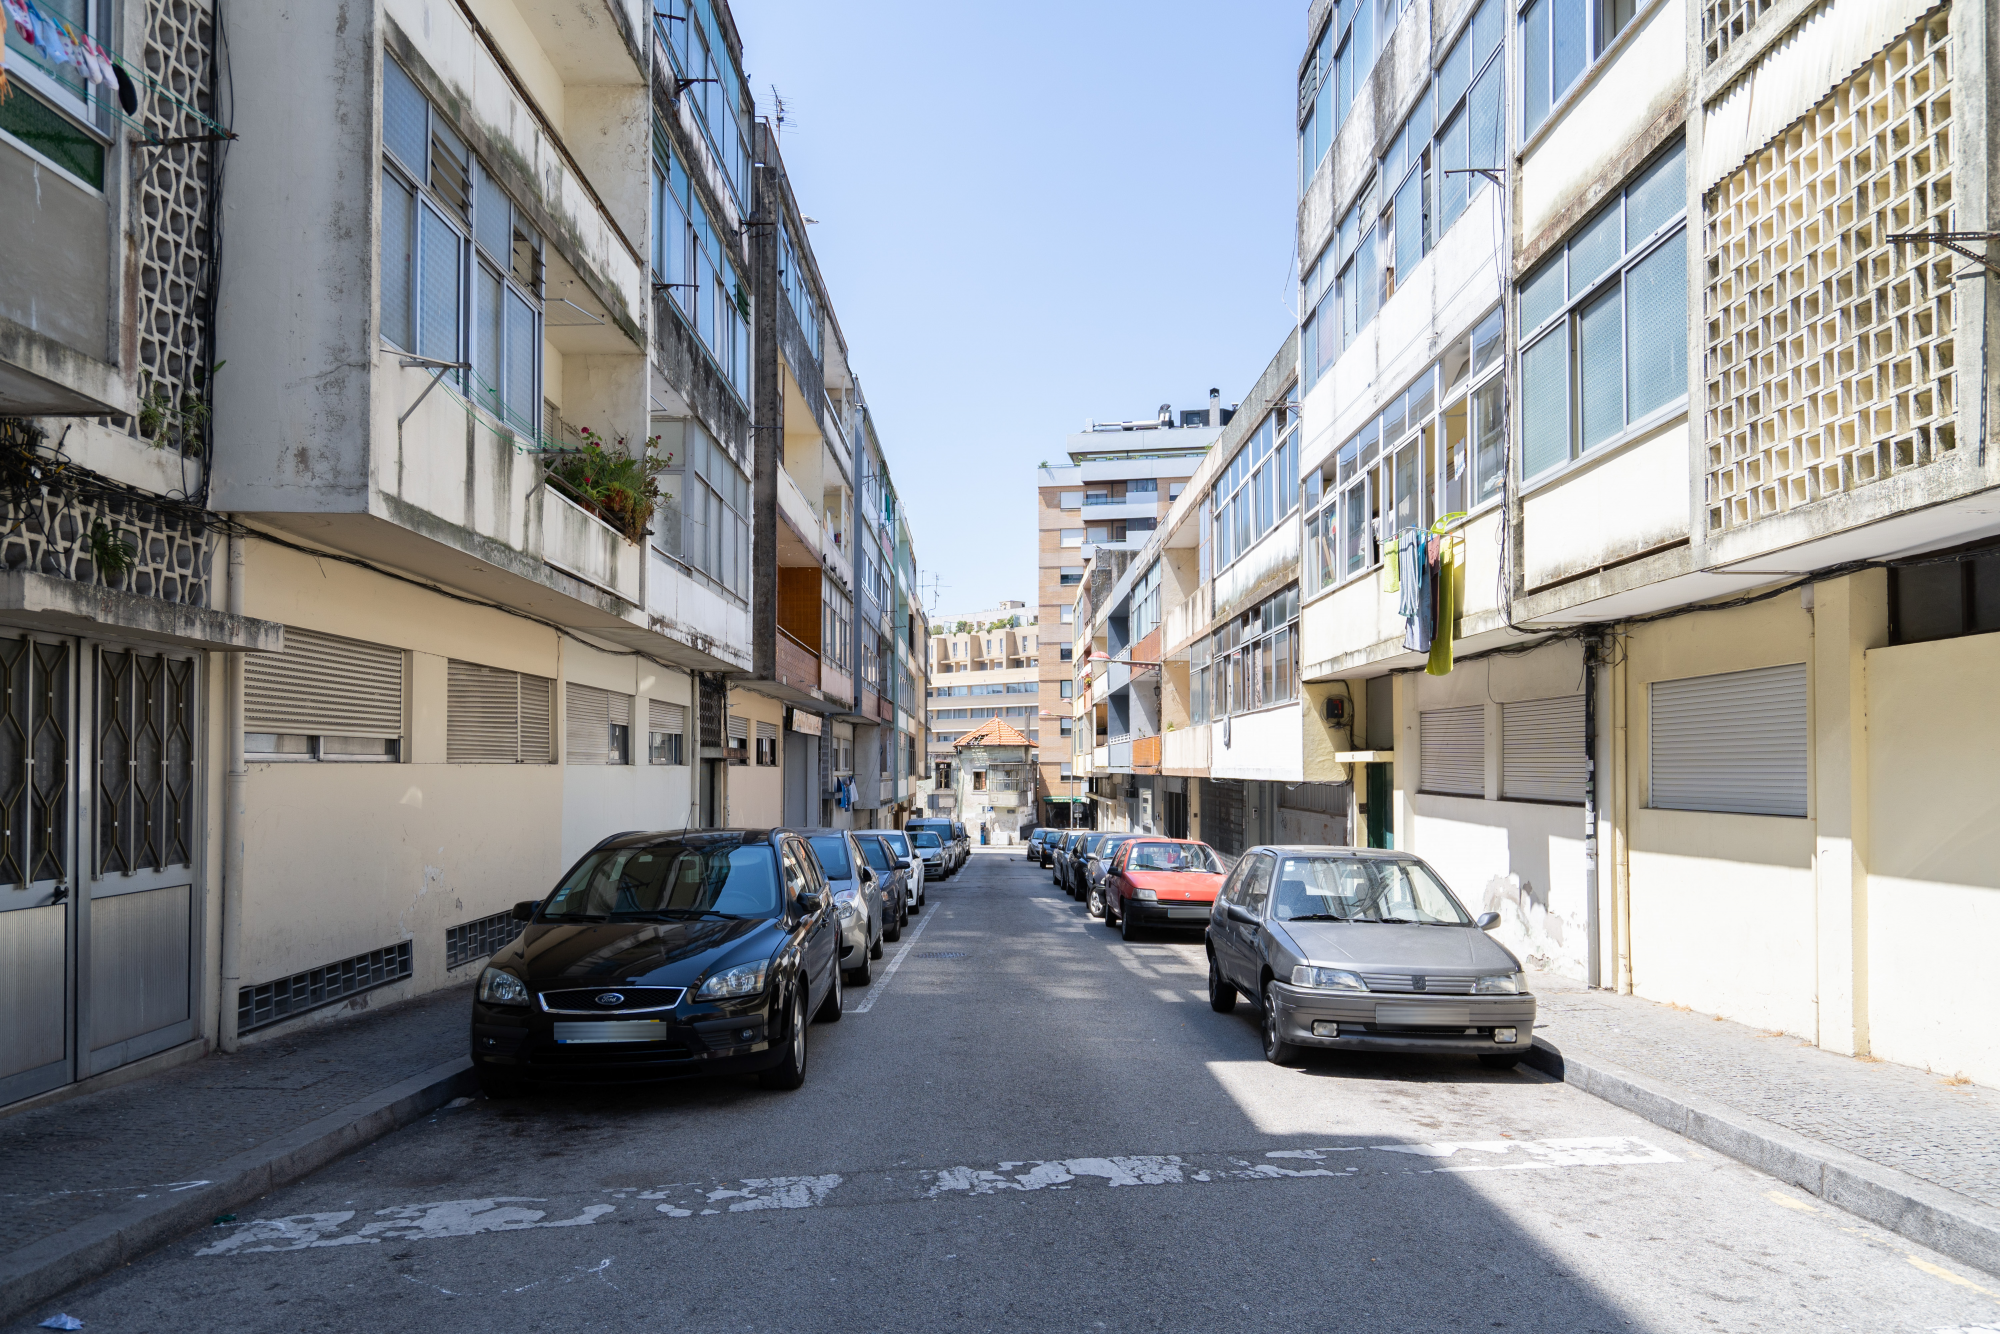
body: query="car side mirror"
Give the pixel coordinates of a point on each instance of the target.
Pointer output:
(902, 863)
(867, 877)
(525, 912)
(1486, 921)
(1238, 913)
(810, 902)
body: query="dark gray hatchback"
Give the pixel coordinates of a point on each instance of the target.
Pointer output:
(664, 955)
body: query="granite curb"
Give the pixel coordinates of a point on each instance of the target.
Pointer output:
(51, 1265)
(1940, 1219)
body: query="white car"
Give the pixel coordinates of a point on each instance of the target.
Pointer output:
(922, 868)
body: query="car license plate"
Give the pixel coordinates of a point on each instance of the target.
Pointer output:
(612, 1030)
(1187, 914)
(1442, 1016)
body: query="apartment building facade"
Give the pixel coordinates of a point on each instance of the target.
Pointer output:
(983, 667)
(524, 510)
(1120, 480)
(1645, 546)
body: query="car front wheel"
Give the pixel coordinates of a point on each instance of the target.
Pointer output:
(1127, 928)
(790, 1071)
(1095, 904)
(1221, 995)
(1276, 1050)
(829, 1009)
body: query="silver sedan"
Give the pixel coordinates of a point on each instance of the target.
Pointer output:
(1362, 950)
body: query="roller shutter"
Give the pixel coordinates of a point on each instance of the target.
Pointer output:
(1734, 742)
(1452, 746)
(323, 685)
(590, 715)
(1541, 750)
(664, 717)
(494, 716)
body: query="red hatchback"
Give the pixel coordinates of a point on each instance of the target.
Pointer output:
(1158, 882)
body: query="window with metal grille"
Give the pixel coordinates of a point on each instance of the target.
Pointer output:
(323, 698)
(493, 716)
(1734, 742)
(478, 939)
(739, 740)
(767, 744)
(1452, 751)
(272, 1002)
(597, 726)
(35, 743)
(145, 761)
(666, 728)
(1541, 750)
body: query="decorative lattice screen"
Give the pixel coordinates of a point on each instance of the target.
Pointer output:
(172, 187)
(1723, 21)
(1830, 362)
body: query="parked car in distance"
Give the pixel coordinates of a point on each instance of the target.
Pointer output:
(930, 848)
(943, 829)
(1157, 882)
(892, 875)
(1363, 950)
(1099, 861)
(1031, 846)
(1080, 853)
(1053, 853)
(663, 955)
(919, 877)
(963, 841)
(856, 901)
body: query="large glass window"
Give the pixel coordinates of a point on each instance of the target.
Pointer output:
(1250, 662)
(1604, 322)
(1560, 39)
(1259, 487)
(797, 285)
(703, 518)
(699, 268)
(1434, 452)
(1342, 58)
(1422, 183)
(711, 84)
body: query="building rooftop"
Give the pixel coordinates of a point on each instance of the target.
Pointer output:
(994, 732)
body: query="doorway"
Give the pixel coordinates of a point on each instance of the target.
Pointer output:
(1381, 803)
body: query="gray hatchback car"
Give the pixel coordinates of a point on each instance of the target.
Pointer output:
(1363, 950)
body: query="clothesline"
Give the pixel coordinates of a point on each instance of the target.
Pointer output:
(60, 46)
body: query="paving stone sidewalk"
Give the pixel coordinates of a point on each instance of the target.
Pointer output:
(1913, 1121)
(73, 1161)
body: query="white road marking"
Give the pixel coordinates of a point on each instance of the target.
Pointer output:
(439, 1220)
(875, 992)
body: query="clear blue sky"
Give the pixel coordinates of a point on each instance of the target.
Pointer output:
(1031, 214)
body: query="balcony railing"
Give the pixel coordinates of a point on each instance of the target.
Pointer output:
(1146, 752)
(166, 553)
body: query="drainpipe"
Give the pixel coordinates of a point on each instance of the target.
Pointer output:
(1593, 965)
(233, 785)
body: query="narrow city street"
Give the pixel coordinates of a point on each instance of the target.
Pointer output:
(1026, 1123)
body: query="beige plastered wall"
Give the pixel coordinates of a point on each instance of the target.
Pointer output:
(756, 792)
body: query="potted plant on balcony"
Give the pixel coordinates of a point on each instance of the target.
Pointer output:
(618, 486)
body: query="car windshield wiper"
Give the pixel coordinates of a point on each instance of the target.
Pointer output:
(1317, 917)
(1398, 921)
(674, 914)
(575, 917)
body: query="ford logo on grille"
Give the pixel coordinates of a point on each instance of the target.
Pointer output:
(611, 998)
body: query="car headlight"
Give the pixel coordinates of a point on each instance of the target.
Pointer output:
(1146, 894)
(1327, 979)
(502, 988)
(1500, 984)
(745, 979)
(844, 902)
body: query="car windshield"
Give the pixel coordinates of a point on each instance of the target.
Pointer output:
(877, 855)
(1364, 889)
(896, 841)
(1173, 857)
(718, 877)
(926, 839)
(831, 849)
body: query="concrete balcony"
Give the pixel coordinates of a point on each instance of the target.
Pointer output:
(1184, 751)
(578, 542)
(1146, 754)
(798, 666)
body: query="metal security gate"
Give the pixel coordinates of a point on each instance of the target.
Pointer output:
(99, 918)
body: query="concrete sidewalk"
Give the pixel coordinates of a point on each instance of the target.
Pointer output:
(1908, 1149)
(91, 1182)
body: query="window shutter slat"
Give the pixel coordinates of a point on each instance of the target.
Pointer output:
(1452, 751)
(322, 685)
(587, 724)
(662, 716)
(535, 739)
(767, 731)
(1735, 742)
(1541, 750)
(482, 709)
(739, 730)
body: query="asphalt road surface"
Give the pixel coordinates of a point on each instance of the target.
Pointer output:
(1028, 1124)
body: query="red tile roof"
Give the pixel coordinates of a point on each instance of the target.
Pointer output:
(994, 732)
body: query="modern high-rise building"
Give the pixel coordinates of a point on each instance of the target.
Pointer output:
(1119, 482)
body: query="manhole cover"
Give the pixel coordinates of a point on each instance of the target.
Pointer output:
(946, 954)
